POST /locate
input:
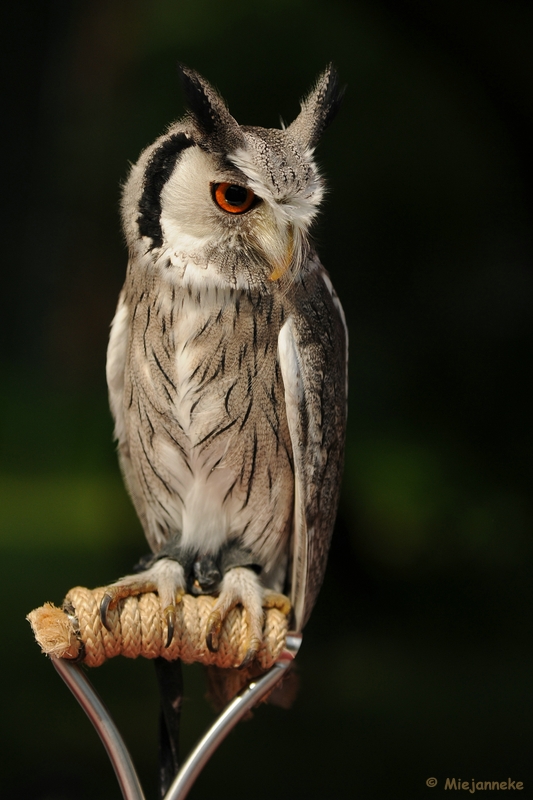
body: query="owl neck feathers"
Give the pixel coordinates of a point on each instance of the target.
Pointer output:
(165, 271)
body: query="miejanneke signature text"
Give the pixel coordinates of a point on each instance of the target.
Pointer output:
(483, 786)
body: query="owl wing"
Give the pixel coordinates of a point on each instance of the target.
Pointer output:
(312, 348)
(117, 351)
(116, 363)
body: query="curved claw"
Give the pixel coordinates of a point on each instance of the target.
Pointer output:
(214, 626)
(250, 656)
(170, 618)
(107, 599)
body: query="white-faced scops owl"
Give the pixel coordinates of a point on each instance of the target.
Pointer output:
(227, 363)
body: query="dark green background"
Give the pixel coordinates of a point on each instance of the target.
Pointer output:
(417, 661)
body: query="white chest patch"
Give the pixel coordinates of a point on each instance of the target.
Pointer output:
(207, 515)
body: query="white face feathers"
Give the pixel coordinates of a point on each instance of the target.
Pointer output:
(239, 201)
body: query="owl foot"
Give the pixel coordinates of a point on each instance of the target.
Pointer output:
(243, 586)
(239, 586)
(166, 577)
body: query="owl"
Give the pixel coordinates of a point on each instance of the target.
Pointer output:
(227, 364)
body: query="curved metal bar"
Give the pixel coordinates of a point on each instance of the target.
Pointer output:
(227, 720)
(117, 751)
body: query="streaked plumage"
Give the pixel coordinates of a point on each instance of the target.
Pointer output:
(227, 360)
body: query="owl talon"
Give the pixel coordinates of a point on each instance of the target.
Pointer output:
(240, 586)
(214, 626)
(104, 608)
(250, 656)
(166, 577)
(170, 618)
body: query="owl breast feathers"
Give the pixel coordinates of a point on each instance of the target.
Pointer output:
(227, 361)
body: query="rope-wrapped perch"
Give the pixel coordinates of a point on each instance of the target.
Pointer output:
(138, 628)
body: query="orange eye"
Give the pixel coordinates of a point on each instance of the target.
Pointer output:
(233, 198)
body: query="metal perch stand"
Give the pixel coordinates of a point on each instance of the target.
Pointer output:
(117, 751)
(75, 634)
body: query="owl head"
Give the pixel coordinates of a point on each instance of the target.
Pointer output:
(213, 201)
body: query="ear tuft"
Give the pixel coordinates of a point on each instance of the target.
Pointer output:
(319, 108)
(205, 104)
(199, 97)
(329, 98)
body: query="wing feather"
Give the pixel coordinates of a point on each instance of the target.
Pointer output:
(312, 349)
(117, 353)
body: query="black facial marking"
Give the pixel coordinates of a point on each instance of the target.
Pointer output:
(159, 169)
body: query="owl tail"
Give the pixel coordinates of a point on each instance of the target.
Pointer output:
(170, 681)
(224, 684)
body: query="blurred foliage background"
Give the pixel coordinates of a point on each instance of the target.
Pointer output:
(417, 661)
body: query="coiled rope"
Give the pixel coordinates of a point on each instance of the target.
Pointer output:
(138, 628)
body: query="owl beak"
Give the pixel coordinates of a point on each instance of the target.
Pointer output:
(281, 265)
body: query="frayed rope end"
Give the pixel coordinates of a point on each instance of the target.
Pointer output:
(54, 632)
